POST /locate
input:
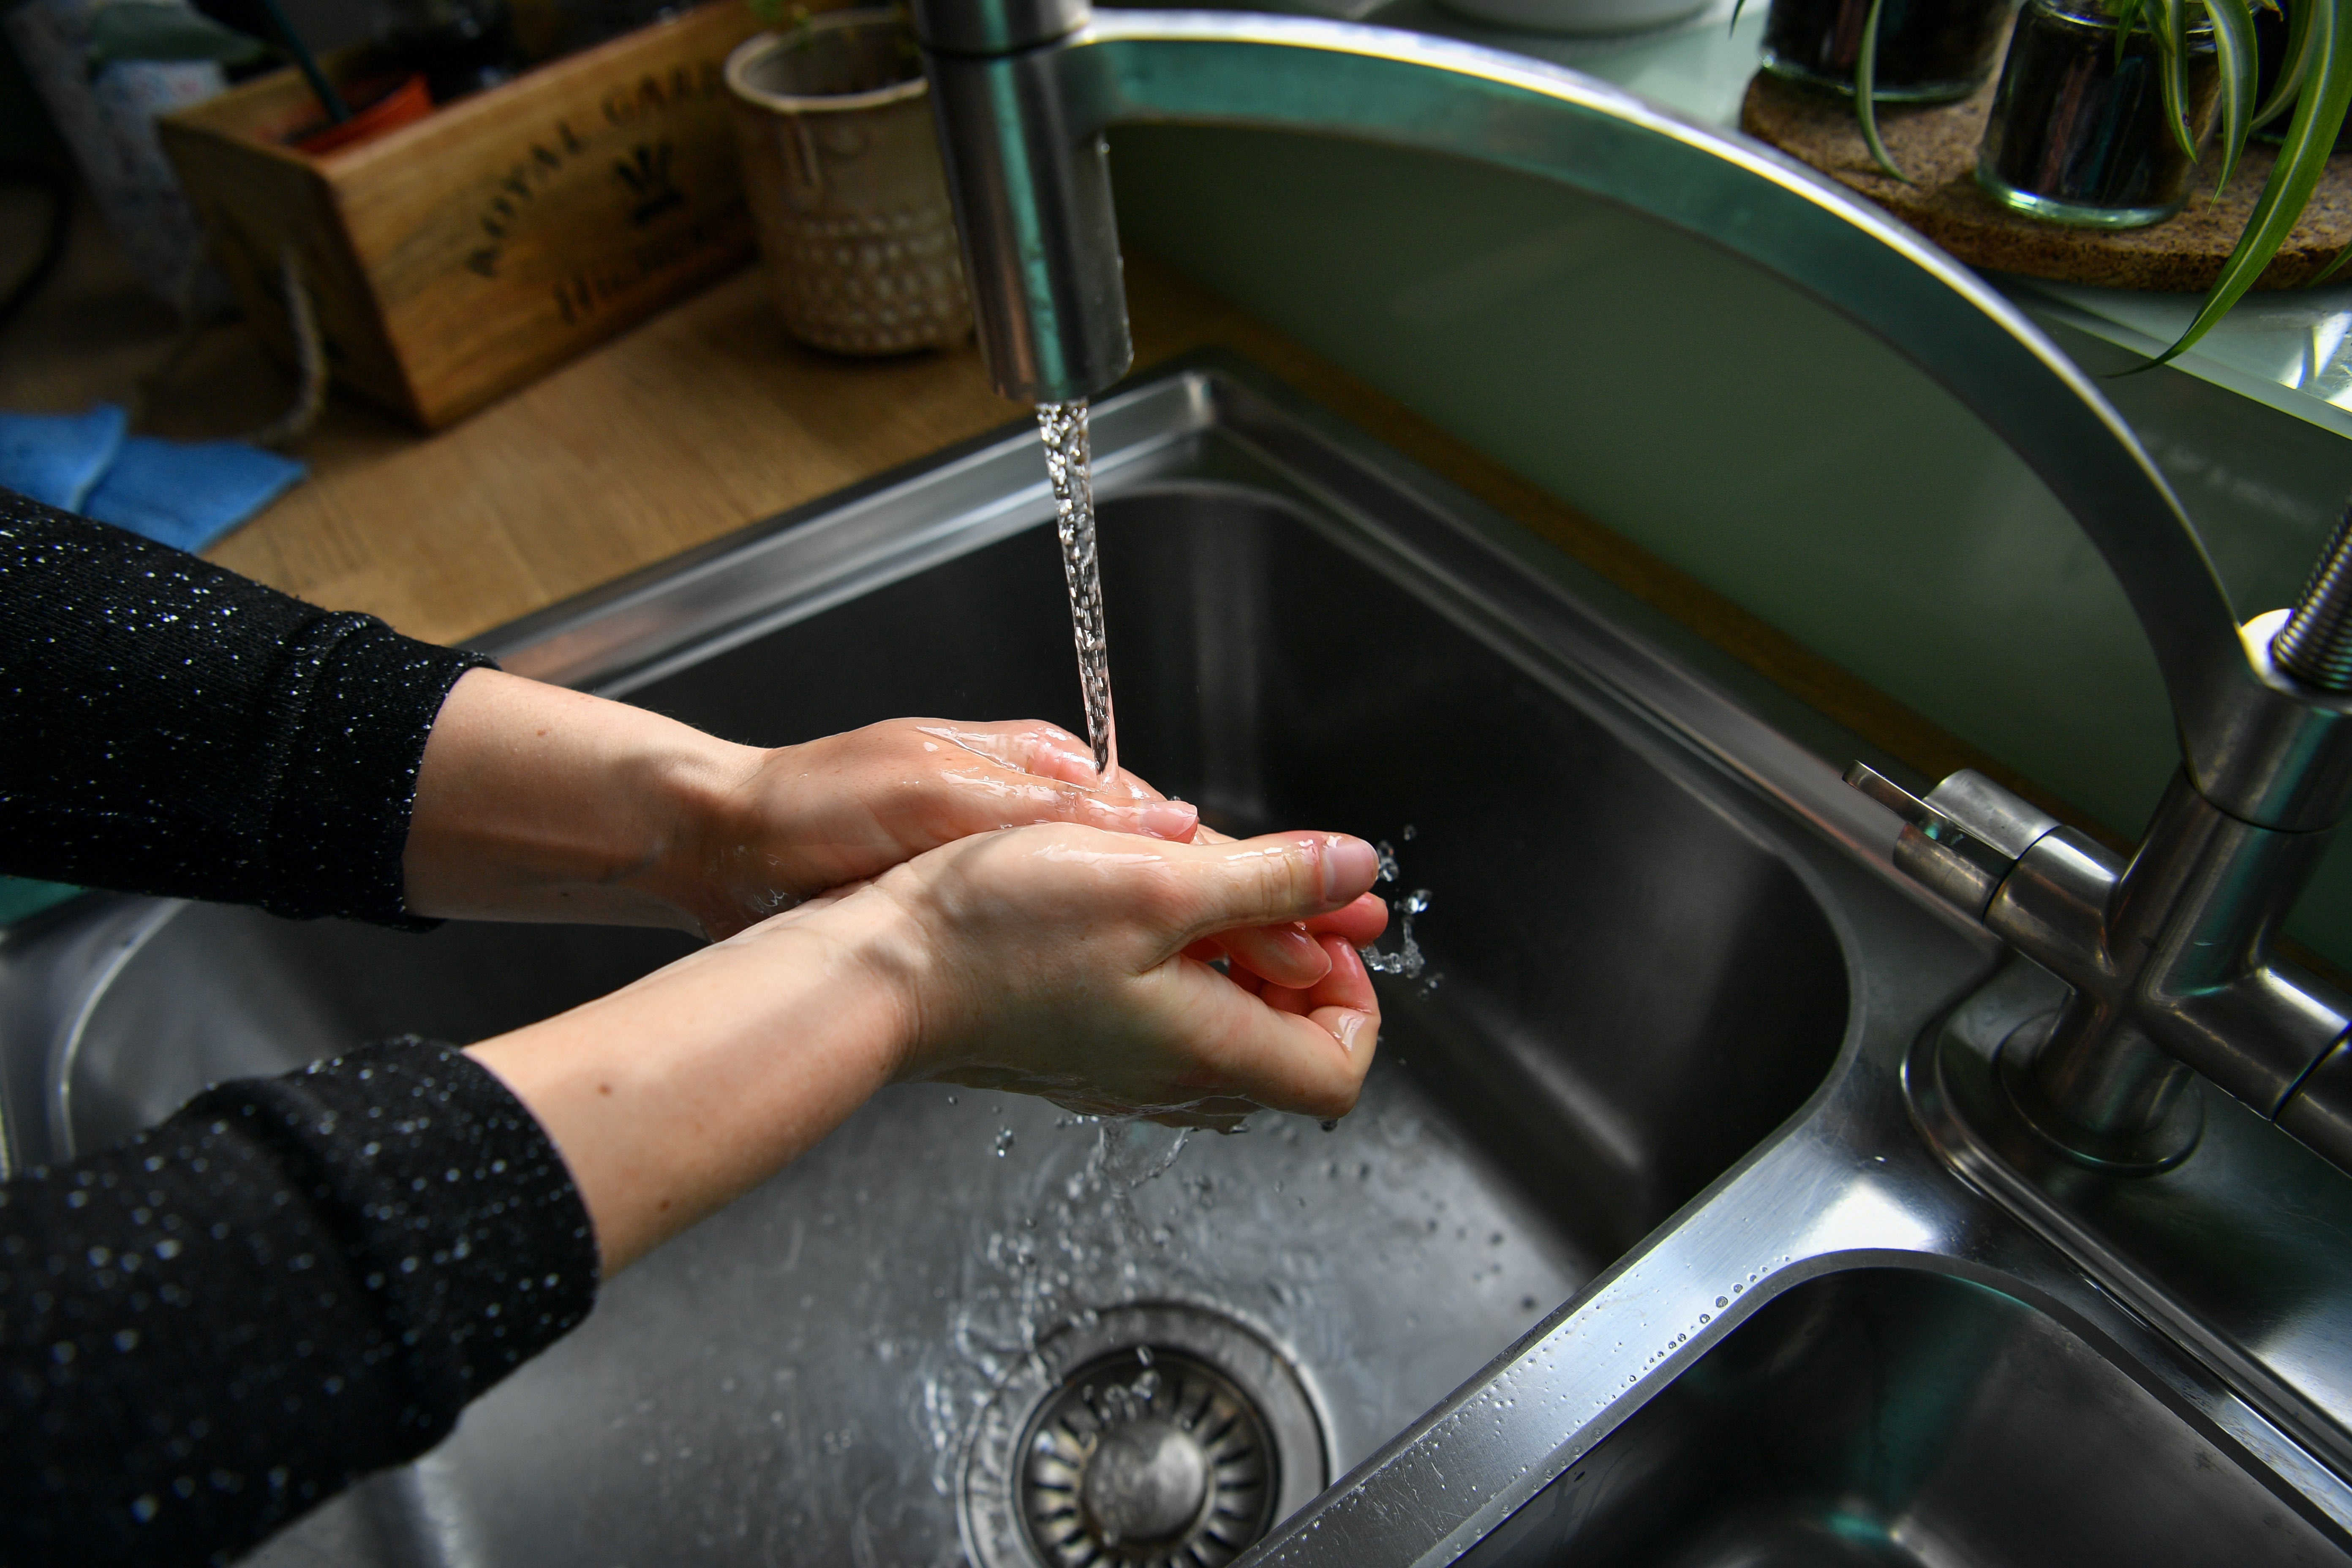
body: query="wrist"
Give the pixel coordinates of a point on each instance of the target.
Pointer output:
(879, 950)
(538, 802)
(694, 835)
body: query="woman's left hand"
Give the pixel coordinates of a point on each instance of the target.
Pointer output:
(848, 807)
(536, 803)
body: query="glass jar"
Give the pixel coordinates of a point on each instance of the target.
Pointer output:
(1929, 51)
(2078, 133)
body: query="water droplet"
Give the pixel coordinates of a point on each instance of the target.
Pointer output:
(1003, 1141)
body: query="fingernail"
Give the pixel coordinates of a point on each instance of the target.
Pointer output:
(1302, 949)
(1350, 1024)
(1349, 866)
(1173, 819)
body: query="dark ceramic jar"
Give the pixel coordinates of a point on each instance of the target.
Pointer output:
(1929, 51)
(2078, 133)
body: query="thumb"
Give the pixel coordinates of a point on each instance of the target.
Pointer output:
(1279, 878)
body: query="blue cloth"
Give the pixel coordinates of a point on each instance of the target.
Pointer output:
(21, 898)
(58, 458)
(184, 495)
(188, 496)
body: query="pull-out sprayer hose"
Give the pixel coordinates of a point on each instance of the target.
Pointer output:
(2316, 644)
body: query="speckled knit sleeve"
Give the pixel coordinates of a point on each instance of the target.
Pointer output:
(302, 1279)
(169, 727)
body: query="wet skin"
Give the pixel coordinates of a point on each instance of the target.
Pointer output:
(920, 900)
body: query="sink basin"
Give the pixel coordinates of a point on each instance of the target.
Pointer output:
(1897, 1419)
(1600, 1030)
(1632, 1251)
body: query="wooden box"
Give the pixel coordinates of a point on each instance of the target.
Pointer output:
(455, 258)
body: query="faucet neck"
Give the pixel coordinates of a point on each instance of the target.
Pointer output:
(1029, 172)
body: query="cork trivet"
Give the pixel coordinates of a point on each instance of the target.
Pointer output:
(1936, 145)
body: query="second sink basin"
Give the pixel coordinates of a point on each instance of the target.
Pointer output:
(1898, 1418)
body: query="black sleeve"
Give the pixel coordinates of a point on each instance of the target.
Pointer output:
(207, 1331)
(169, 727)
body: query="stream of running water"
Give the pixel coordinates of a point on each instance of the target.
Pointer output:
(1069, 466)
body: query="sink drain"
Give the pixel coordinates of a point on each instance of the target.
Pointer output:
(1159, 1436)
(1147, 1456)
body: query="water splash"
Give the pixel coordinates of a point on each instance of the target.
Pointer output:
(1085, 1243)
(1069, 465)
(1408, 959)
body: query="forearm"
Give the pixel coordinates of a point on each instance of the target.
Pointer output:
(172, 728)
(208, 1330)
(536, 803)
(674, 1096)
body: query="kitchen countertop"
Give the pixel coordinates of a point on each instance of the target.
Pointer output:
(708, 419)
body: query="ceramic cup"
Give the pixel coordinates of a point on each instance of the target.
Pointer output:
(842, 170)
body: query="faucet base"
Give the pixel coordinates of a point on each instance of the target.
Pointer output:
(2140, 1153)
(2243, 1254)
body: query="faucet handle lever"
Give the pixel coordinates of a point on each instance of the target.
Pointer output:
(1962, 862)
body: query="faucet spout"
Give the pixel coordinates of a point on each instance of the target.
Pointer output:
(1030, 176)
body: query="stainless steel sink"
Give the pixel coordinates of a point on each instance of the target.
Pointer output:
(1645, 1095)
(1888, 1416)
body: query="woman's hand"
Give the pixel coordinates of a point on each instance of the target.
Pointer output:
(1050, 959)
(1054, 961)
(846, 808)
(538, 802)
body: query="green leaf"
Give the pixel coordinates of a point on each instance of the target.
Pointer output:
(2172, 70)
(2233, 42)
(2125, 13)
(150, 30)
(2291, 65)
(1865, 83)
(2301, 160)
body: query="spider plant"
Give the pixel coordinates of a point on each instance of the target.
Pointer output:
(1865, 92)
(2316, 82)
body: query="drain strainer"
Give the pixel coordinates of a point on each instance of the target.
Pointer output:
(1147, 1456)
(1161, 1435)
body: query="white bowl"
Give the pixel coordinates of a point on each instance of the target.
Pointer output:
(1577, 15)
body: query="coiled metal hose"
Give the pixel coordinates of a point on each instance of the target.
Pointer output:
(2316, 644)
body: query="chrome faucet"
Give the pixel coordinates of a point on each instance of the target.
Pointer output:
(2168, 956)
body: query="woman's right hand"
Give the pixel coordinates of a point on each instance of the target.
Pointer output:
(1059, 961)
(1048, 959)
